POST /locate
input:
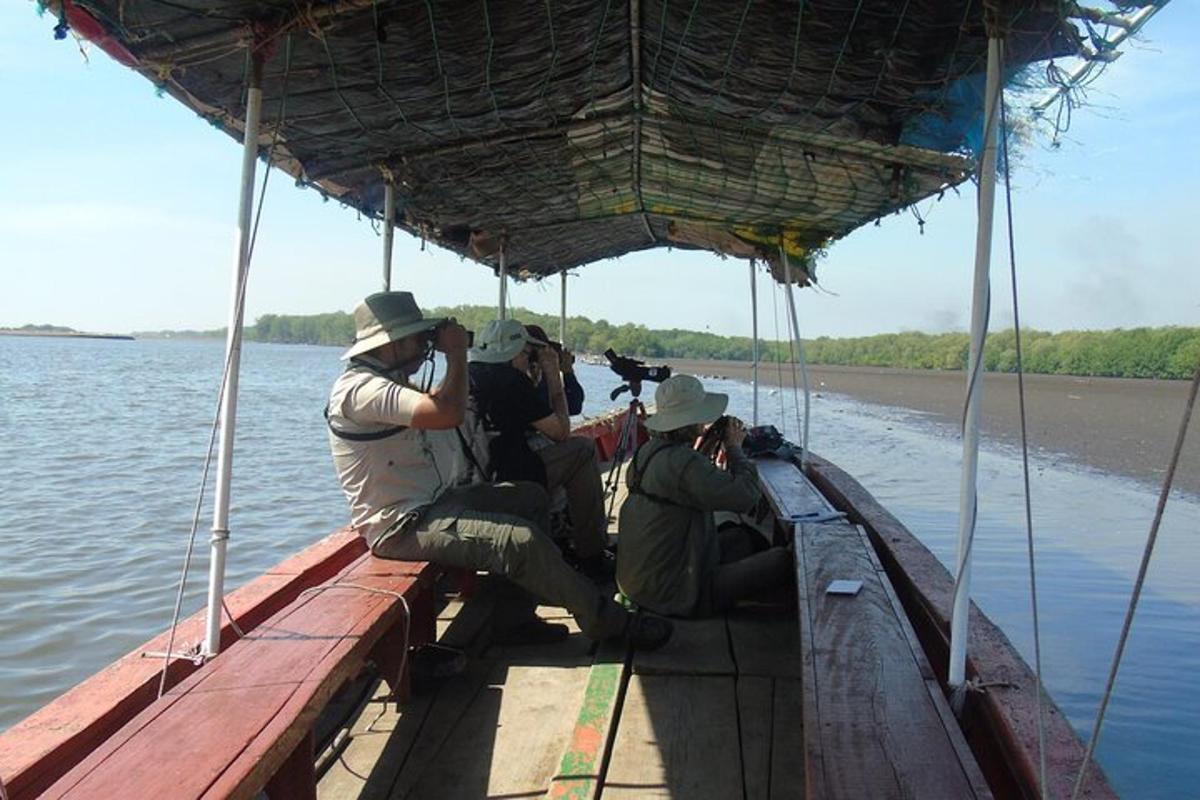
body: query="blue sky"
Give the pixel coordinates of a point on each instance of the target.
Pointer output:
(117, 209)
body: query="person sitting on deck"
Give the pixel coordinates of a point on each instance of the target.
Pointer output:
(405, 467)
(673, 560)
(502, 387)
(572, 389)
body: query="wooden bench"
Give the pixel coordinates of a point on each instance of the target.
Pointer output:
(876, 723)
(244, 722)
(40, 749)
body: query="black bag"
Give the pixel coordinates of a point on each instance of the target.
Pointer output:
(762, 440)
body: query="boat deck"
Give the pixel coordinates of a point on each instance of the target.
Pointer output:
(715, 713)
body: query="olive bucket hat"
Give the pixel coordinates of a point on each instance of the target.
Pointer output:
(680, 401)
(385, 317)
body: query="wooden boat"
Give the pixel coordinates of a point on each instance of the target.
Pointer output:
(534, 138)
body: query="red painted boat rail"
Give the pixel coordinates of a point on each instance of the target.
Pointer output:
(37, 751)
(244, 723)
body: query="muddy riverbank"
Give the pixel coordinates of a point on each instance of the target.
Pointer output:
(1124, 426)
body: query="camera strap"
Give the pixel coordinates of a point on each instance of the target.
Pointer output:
(470, 454)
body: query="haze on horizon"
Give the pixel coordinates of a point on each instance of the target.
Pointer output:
(118, 209)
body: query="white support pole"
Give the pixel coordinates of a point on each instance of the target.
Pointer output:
(502, 312)
(562, 309)
(754, 334)
(233, 351)
(980, 301)
(795, 332)
(389, 231)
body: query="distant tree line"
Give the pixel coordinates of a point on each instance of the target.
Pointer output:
(1171, 352)
(41, 329)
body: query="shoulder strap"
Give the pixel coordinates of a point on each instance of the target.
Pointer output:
(373, 436)
(470, 454)
(634, 482)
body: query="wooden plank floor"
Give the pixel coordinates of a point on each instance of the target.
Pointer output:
(568, 721)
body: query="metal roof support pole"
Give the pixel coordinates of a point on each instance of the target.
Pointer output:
(233, 352)
(754, 333)
(795, 333)
(980, 302)
(389, 231)
(502, 312)
(562, 309)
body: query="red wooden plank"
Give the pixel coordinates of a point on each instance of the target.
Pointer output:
(40, 749)
(183, 743)
(258, 762)
(326, 556)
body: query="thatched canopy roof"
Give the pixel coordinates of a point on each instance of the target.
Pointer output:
(578, 130)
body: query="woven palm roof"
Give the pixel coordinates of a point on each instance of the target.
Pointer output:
(575, 131)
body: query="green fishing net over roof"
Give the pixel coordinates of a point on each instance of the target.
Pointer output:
(576, 131)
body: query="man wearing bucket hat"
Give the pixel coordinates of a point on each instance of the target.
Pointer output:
(408, 473)
(672, 559)
(514, 409)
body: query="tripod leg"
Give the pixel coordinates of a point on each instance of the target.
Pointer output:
(625, 444)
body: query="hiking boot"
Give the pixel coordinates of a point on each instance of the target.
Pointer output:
(646, 632)
(531, 631)
(600, 567)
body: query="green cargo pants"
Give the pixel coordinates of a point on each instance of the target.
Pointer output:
(572, 465)
(501, 528)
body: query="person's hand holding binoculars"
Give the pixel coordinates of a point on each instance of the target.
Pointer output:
(735, 432)
(450, 337)
(547, 359)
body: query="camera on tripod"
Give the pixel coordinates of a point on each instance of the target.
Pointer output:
(633, 372)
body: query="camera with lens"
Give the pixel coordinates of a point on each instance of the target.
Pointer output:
(633, 370)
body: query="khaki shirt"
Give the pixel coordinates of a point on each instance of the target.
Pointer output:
(387, 479)
(668, 551)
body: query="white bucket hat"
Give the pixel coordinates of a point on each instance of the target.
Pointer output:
(680, 401)
(385, 317)
(501, 340)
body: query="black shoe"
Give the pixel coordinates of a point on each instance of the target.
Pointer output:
(600, 567)
(533, 630)
(431, 664)
(646, 632)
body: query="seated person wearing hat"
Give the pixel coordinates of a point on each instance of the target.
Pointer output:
(407, 473)
(572, 389)
(502, 386)
(672, 559)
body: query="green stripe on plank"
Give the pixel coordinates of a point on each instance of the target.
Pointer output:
(579, 770)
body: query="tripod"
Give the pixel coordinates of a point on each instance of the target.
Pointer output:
(627, 441)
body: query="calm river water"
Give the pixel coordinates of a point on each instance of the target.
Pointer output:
(102, 445)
